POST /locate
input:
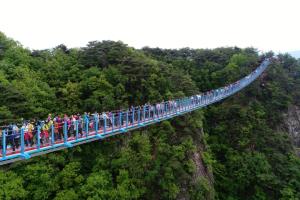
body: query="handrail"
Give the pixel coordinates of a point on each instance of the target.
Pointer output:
(23, 143)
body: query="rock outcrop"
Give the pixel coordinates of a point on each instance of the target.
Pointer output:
(292, 122)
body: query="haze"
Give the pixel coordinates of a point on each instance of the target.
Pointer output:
(266, 25)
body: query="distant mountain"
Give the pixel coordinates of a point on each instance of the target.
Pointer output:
(295, 54)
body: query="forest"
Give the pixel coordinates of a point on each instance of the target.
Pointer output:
(238, 148)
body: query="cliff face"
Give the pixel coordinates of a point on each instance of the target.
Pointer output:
(292, 122)
(201, 182)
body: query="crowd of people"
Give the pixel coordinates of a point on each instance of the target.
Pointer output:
(57, 128)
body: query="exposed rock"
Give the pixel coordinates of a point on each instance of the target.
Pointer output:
(202, 172)
(201, 169)
(292, 122)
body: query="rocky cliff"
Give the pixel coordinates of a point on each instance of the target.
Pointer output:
(292, 122)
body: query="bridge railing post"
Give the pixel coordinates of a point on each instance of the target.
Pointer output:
(86, 127)
(127, 119)
(38, 135)
(120, 119)
(200, 100)
(77, 131)
(179, 105)
(96, 123)
(3, 144)
(144, 113)
(112, 121)
(166, 108)
(65, 132)
(133, 110)
(174, 105)
(193, 102)
(159, 111)
(22, 141)
(52, 135)
(139, 115)
(149, 112)
(104, 124)
(186, 104)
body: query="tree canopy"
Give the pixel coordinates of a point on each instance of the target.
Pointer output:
(235, 149)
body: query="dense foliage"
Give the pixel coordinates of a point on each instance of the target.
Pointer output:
(231, 150)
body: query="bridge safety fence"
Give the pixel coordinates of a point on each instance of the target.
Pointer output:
(27, 140)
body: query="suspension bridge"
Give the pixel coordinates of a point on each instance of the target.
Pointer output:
(96, 127)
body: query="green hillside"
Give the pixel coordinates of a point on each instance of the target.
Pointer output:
(235, 149)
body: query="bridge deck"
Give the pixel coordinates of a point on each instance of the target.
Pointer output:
(127, 121)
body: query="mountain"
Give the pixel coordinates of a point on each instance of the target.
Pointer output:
(239, 148)
(295, 54)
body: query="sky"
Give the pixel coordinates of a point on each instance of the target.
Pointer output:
(262, 24)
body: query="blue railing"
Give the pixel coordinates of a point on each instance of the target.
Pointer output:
(26, 142)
